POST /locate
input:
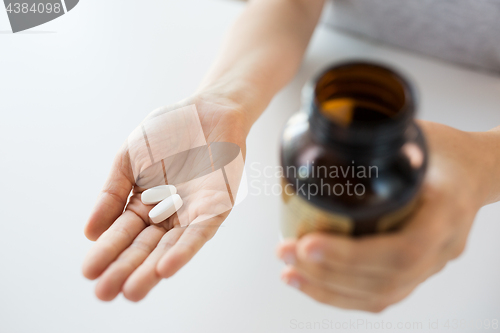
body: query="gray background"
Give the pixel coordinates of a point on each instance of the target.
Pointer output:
(73, 89)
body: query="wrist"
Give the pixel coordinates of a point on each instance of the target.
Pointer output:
(488, 149)
(245, 99)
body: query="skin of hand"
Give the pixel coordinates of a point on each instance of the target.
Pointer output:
(374, 272)
(131, 255)
(262, 52)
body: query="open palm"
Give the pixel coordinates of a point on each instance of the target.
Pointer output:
(131, 255)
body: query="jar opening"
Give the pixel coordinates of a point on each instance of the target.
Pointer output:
(359, 94)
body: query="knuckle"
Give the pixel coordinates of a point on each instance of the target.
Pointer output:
(187, 247)
(204, 234)
(309, 243)
(165, 244)
(123, 263)
(120, 231)
(141, 245)
(113, 192)
(407, 256)
(136, 208)
(107, 246)
(350, 255)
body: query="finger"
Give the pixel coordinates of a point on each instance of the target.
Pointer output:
(391, 252)
(111, 200)
(353, 283)
(145, 277)
(327, 296)
(363, 283)
(286, 251)
(113, 278)
(111, 243)
(370, 255)
(191, 241)
(357, 283)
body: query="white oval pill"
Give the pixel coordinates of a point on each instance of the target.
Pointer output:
(165, 209)
(157, 194)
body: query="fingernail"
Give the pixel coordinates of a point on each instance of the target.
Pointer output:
(293, 282)
(316, 256)
(289, 258)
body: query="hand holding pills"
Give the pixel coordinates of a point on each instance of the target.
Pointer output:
(146, 230)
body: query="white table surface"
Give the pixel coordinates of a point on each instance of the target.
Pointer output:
(71, 91)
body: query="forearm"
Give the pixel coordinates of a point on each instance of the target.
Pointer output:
(489, 143)
(262, 52)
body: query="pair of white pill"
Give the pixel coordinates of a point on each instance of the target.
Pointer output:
(165, 198)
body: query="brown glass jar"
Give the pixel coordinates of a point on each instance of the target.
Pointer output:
(353, 158)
